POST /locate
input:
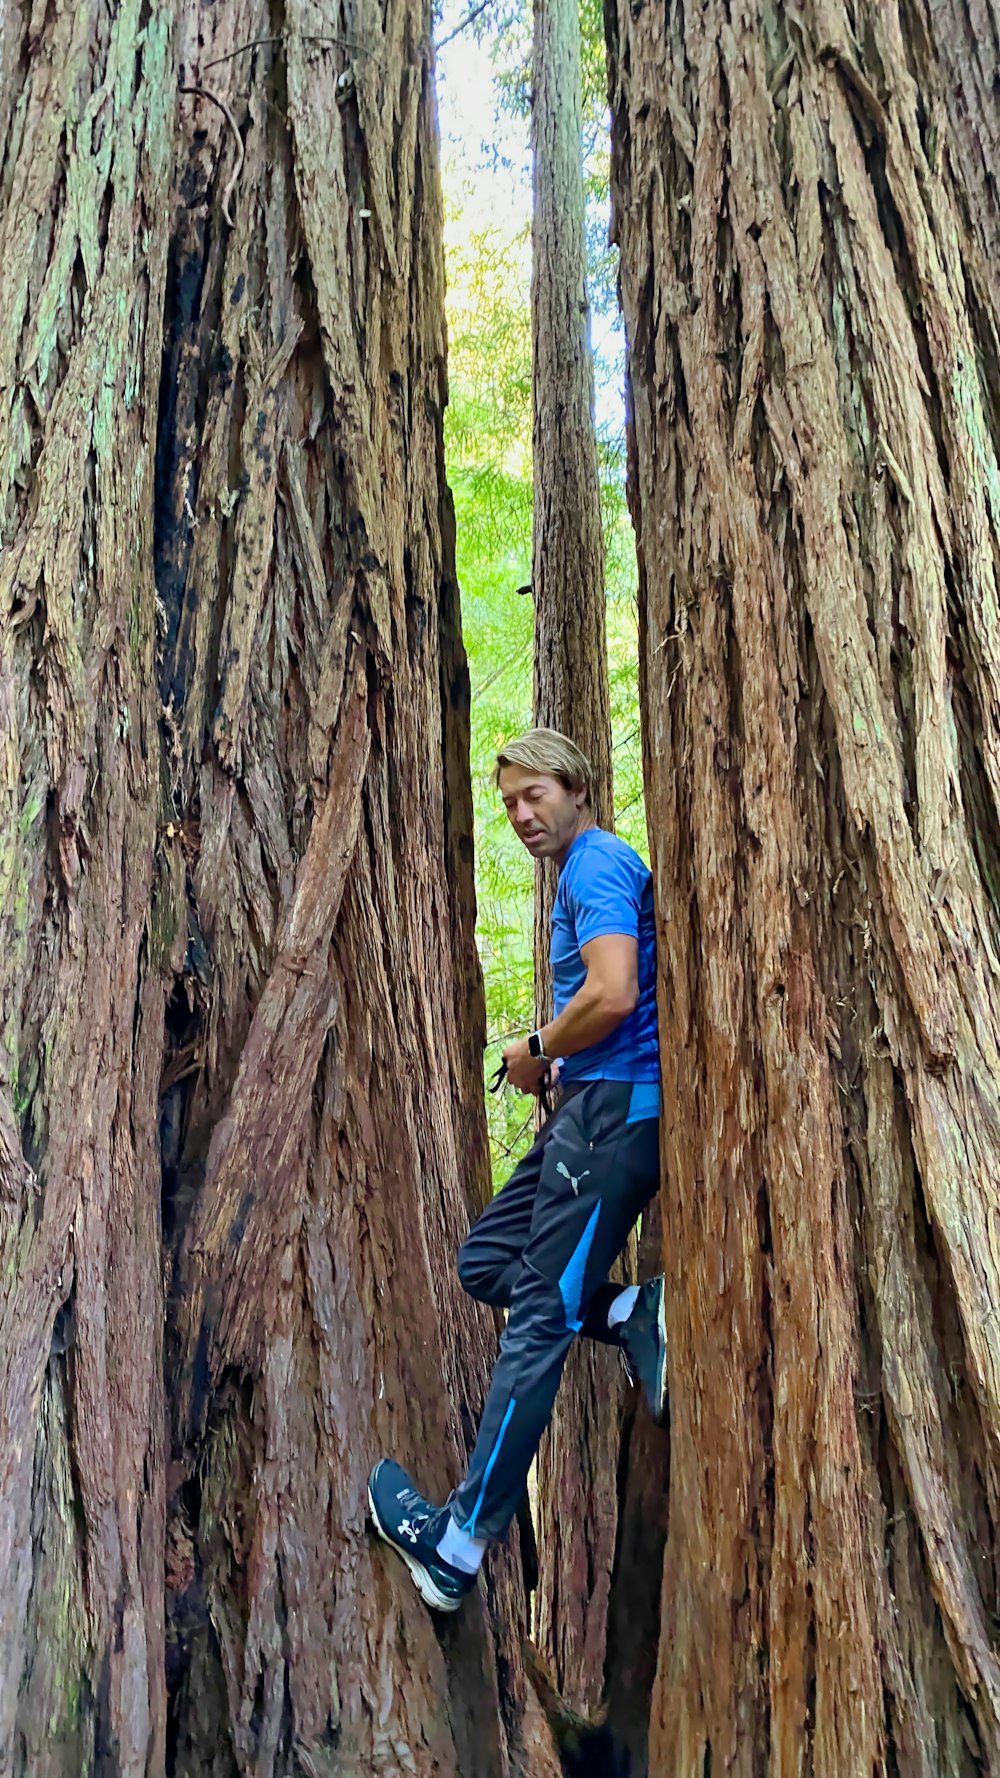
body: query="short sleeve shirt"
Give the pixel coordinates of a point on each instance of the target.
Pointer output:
(605, 888)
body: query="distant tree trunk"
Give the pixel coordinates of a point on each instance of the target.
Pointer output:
(571, 652)
(578, 1458)
(236, 946)
(813, 352)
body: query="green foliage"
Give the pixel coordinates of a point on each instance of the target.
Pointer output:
(488, 440)
(509, 28)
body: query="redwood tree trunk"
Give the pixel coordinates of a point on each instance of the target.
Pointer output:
(571, 655)
(577, 1463)
(237, 905)
(86, 110)
(813, 340)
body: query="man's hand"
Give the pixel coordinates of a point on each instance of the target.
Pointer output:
(524, 1072)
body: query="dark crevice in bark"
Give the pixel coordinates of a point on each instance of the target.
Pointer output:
(180, 411)
(763, 1504)
(587, 1749)
(104, 215)
(198, 1738)
(183, 1027)
(145, 13)
(729, 316)
(809, 1665)
(642, 1491)
(764, 1381)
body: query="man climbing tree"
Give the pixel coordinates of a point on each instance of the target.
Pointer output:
(543, 1247)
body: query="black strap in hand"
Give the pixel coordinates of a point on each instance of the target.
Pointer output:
(497, 1083)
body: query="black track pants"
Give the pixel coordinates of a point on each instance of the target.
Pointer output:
(543, 1248)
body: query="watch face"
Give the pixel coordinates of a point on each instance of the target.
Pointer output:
(534, 1045)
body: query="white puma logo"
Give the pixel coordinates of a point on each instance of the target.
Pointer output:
(575, 1183)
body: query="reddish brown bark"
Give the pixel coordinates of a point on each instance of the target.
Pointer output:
(815, 429)
(236, 894)
(85, 111)
(634, 1602)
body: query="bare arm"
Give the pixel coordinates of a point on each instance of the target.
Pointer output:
(609, 993)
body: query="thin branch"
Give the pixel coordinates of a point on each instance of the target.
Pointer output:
(515, 1139)
(359, 49)
(227, 196)
(241, 49)
(469, 19)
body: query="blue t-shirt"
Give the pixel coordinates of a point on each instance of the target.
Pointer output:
(604, 887)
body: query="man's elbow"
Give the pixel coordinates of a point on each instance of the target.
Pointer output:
(619, 1002)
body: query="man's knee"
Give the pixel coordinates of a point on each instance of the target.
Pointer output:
(482, 1273)
(474, 1273)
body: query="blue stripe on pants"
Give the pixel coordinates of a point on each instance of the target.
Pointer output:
(571, 1282)
(470, 1527)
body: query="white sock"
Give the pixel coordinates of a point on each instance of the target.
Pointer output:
(623, 1305)
(461, 1549)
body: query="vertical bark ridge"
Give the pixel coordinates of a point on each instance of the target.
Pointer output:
(814, 488)
(87, 113)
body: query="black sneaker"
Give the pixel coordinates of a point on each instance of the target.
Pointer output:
(643, 1343)
(414, 1528)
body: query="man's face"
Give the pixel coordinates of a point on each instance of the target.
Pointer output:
(543, 813)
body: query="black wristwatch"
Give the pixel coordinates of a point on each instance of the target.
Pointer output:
(536, 1048)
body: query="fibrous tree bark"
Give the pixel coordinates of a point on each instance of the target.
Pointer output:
(802, 198)
(633, 1606)
(86, 107)
(576, 1471)
(240, 991)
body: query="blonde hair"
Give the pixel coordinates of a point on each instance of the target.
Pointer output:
(546, 750)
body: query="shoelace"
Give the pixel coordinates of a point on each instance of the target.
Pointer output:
(416, 1507)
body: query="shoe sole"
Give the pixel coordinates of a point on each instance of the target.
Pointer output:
(422, 1580)
(660, 1405)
